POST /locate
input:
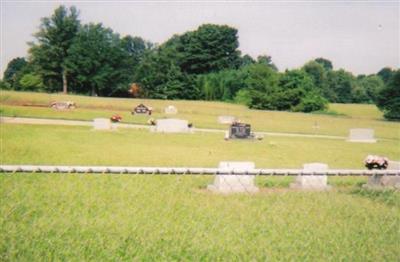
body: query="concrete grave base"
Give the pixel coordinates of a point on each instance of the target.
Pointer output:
(383, 182)
(313, 182)
(102, 124)
(394, 165)
(234, 183)
(361, 135)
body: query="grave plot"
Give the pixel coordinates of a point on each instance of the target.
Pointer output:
(314, 182)
(102, 124)
(361, 135)
(171, 126)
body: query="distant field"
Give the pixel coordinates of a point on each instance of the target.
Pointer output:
(30, 144)
(204, 114)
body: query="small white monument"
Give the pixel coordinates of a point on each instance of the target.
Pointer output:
(383, 182)
(234, 183)
(226, 119)
(171, 110)
(361, 135)
(171, 126)
(315, 182)
(102, 124)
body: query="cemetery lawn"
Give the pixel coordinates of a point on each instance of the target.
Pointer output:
(77, 217)
(336, 121)
(68, 145)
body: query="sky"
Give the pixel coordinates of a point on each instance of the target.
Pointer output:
(359, 36)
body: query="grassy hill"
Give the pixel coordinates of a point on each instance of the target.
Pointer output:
(337, 121)
(81, 217)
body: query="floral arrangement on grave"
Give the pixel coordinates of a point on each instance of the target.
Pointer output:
(116, 118)
(376, 162)
(151, 122)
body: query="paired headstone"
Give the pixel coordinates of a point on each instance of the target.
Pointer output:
(226, 119)
(314, 182)
(361, 135)
(233, 183)
(141, 109)
(171, 126)
(102, 124)
(171, 110)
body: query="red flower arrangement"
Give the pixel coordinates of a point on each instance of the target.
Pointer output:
(376, 162)
(116, 118)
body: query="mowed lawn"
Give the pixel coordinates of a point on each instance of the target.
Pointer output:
(81, 217)
(204, 114)
(65, 145)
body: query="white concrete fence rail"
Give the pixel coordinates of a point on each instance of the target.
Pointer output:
(190, 171)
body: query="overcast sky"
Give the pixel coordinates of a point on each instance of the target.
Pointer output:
(361, 37)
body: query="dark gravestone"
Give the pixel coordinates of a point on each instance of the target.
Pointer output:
(239, 130)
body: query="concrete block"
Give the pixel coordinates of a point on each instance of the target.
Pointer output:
(234, 183)
(102, 124)
(314, 182)
(361, 135)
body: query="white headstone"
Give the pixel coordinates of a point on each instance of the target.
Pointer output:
(101, 124)
(316, 182)
(171, 110)
(172, 126)
(226, 119)
(361, 135)
(234, 183)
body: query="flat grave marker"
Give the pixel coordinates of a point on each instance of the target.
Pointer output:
(102, 124)
(361, 135)
(171, 126)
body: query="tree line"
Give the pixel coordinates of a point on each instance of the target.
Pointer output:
(202, 64)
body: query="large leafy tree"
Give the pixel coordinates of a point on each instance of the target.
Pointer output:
(98, 61)
(210, 48)
(385, 74)
(340, 85)
(389, 97)
(54, 39)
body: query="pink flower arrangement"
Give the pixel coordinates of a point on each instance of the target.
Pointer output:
(376, 162)
(116, 118)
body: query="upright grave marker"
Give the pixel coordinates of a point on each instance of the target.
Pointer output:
(315, 182)
(234, 183)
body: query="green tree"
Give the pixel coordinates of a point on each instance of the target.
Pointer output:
(13, 72)
(385, 74)
(266, 60)
(340, 85)
(325, 63)
(31, 82)
(210, 48)
(54, 39)
(98, 61)
(371, 86)
(389, 98)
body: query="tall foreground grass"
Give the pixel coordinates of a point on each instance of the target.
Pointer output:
(126, 217)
